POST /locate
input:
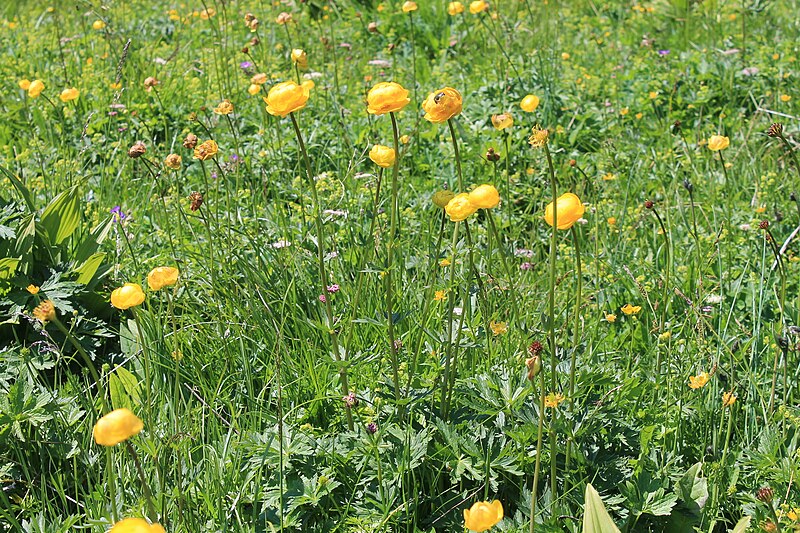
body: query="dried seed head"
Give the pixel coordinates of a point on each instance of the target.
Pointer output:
(190, 141)
(764, 224)
(535, 348)
(688, 185)
(775, 130)
(197, 200)
(372, 27)
(765, 494)
(492, 156)
(534, 365)
(573, 163)
(649, 204)
(138, 149)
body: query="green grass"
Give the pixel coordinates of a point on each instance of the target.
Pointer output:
(238, 372)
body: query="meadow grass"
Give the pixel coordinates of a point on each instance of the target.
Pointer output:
(338, 354)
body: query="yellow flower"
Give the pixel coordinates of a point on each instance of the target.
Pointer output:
(440, 296)
(24, 84)
(208, 13)
(115, 86)
(609, 176)
(728, 398)
(629, 309)
(564, 56)
(664, 337)
(386, 97)
(300, 58)
(383, 156)
(552, 400)
(285, 98)
(718, 142)
(785, 98)
(35, 88)
(284, 18)
(161, 277)
(792, 514)
(70, 94)
(484, 197)
(483, 515)
(254, 89)
(611, 221)
(405, 139)
(173, 161)
(225, 107)
(653, 95)
(98, 25)
(45, 311)
(538, 137)
(442, 105)
(445, 262)
(206, 150)
(117, 426)
(624, 111)
(502, 121)
(569, 210)
(307, 85)
(455, 8)
(699, 381)
(529, 103)
(611, 318)
(498, 328)
(441, 198)
(459, 207)
(127, 296)
(478, 6)
(259, 79)
(33, 289)
(408, 7)
(639, 116)
(135, 525)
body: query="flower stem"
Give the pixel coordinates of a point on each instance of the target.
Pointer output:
(551, 311)
(389, 280)
(323, 273)
(457, 154)
(151, 510)
(539, 434)
(576, 331)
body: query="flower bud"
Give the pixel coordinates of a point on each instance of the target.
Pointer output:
(138, 149)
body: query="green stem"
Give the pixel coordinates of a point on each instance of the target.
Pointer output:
(389, 280)
(457, 154)
(576, 331)
(551, 311)
(451, 302)
(323, 273)
(539, 439)
(151, 510)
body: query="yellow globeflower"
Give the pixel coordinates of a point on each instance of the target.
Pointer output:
(135, 525)
(442, 105)
(718, 142)
(254, 89)
(408, 7)
(570, 209)
(629, 309)
(459, 207)
(225, 107)
(285, 98)
(117, 426)
(127, 296)
(35, 88)
(699, 381)
(161, 277)
(483, 515)
(383, 156)
(529, 103)
(307, 85)
(33, 289)
(442, 198)
(502, 121)
(455, 8)
(386, 97)
(206, 150)
(300, 58)
(98, 25)
(484, 197)
(478, 6)
(67, 95)
(24, 84)
(259, 79)
(45, 311)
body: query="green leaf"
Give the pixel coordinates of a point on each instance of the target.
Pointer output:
(595, 517)
(89, 267)
(124, 388)
(692, 488)
(60, 219)
(23, 190)
(741, 525)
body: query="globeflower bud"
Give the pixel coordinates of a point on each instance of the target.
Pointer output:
(570, 210)
(534, 365)
(484, 197)
(492, 156)
(460, 208)
(383, 156)
(441, 198)
(117, 426)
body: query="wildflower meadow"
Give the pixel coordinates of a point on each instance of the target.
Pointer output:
(380, 266)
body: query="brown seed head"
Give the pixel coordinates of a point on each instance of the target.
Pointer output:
(492, 156)
(138, 149)
(197, 200)
(775, 130)
(649, 204)
(190, 141)
(765, 494)
(372, 27)
(764, 224)
(572, 162)
(535, 348)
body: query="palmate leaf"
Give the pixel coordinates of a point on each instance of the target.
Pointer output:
(595, 517)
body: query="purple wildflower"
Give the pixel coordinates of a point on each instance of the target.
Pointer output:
(372, 427)
(117, 213)
(245, 65)
(333, 288)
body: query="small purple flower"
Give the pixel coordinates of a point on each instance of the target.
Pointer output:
(350, 400)
(333, 288)
(663, 52)
(526, 266)
(233, 158)
(372, 427)
(117, 214)
(322, 298)
(245, 65)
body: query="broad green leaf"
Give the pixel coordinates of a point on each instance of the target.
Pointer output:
(595, 517)
(93, 240)
(741, 525)
(61, 218)
(87, 270)
(8, 265)
(23, 190)
(692, 488)
(124, 388)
